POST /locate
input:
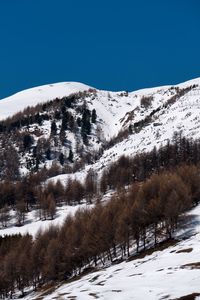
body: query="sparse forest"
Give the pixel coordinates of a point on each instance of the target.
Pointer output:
(136, 216)
(152, 190)
(23, 138)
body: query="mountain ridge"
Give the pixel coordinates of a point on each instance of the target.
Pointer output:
(128, 122)
(57, 90)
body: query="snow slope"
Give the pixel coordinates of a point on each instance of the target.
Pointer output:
(183, 116)
(33, 224)
(31, 97)
(116, 111)
(110, 106)
(167, 274)
(113, 108)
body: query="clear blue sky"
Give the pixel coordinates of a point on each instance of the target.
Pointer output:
(113, 45)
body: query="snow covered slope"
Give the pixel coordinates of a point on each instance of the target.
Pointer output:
(115, 109)
(182, 115)
(171, 109)
(167, 274)
(34, 224)
(115, 103)
(18, 102)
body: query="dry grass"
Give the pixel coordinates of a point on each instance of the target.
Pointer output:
(188, 297)
(138, 274)
(159, 247)
(195, 265)
(188, 250)
(93, 295)
(94, 278)
(46, 290)
(101, 283)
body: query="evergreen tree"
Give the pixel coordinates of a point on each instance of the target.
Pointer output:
(27, 141)
(63, 109)
(62, 136)
(48, 154)
(71, 156)
(38, 119)
(71, 123)
(34, 151)
(53, 128)
(57, 115)
(65, 120)
(94, 116)
(61, 158)
(79, 122)
(85, 124)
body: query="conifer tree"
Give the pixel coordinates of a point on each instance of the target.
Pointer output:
(53, 128)
(61, 158)
(71, 156)
(94, 116)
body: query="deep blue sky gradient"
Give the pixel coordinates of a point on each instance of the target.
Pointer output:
(113, 45)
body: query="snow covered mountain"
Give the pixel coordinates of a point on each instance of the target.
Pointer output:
(68, 129)
(134, 121)
(141, 119)
(114, 108)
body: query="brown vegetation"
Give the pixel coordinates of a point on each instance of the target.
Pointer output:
(96, 235)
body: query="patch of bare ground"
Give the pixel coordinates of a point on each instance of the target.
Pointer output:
(78, 277)
(159, 247)
(63, 294)
(93, 295)
(195, 265)
(138, 274)
(60, 296)
(188, 250)
(188, 297)
(117, 270)
(94, 278)
(116, 291)
(102, 283)
(46, 290)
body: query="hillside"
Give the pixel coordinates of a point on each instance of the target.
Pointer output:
(123, 122)
(169, 272)
(31, 97)
(135, 121)
(94, 180)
